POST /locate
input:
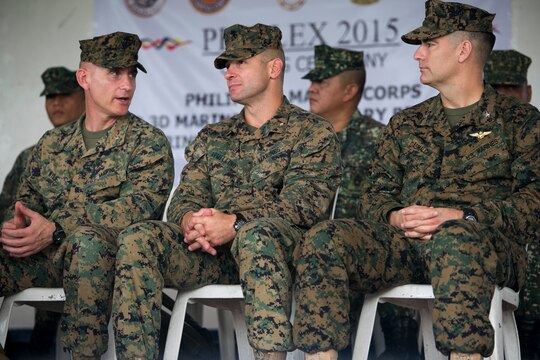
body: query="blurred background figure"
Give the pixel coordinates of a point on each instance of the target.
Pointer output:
(64, 102)
(337, 84)
(506, 71)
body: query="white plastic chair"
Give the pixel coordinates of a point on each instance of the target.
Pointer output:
(51, 299)
(222, 297)
(420, 297)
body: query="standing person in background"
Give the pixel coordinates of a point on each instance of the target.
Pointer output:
(452, 200)
(337, 83)
(64, 103)
(506, 71)
(252, 185)
(87, 181)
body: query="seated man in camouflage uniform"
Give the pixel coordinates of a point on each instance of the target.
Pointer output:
(85, 182)
(64, 103)
(506, 71)
(337, 84)
(452, 200)
(252, 185)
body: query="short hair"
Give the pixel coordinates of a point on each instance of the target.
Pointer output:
(270, 54)
(357, 76)
(483, 43)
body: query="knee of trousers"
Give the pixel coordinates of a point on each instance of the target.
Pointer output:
(258, 236)
(94, 241)
(460, 236)
(324, 238)
(140, 240)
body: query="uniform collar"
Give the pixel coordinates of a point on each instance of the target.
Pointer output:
(115, 137)
(277, 124)
(481, 116)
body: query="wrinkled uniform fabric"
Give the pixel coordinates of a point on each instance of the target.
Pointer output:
(93, 195)
(357, 142)
(490, 162)
(12, 183)
(280, 177)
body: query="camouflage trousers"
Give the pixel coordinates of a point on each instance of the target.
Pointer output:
(152, 255)
(84, 266)
(463, 261)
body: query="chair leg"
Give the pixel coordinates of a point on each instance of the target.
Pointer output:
(5, 315)
(110, 354)
(510, 302)
(227, 348)
(245, 352)
(176, 327)
(495, 316)
(365, 328)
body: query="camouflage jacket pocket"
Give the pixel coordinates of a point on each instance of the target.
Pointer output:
(269, 175)
(496, 166)
(106, 187)
(51, 189)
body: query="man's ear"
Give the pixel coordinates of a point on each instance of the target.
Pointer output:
(82, 77)
(351, 90)
(276, 67)
(465, 49)
(529, 93)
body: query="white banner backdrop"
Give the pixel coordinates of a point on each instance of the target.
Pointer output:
(183, 91)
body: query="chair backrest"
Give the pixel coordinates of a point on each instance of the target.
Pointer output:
(334, 204)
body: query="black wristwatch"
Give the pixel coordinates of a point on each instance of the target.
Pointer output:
(469, 215)
(58, 235)
(239, 222)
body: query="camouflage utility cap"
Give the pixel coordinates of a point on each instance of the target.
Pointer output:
(506, 67)
(242, 42)
(332, 61)
(59, 80)
(116, 50)
(443, 18)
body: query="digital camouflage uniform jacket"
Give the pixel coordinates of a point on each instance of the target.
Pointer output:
(289, 168)
(126, 178)
(357, 142)
(489, 161)
(11, 184)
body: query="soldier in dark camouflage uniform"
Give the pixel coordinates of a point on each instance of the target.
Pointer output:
(337, 83)
(252, 185)
(506, 71)
(453, 198)
(85, 182)
(64, 102)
